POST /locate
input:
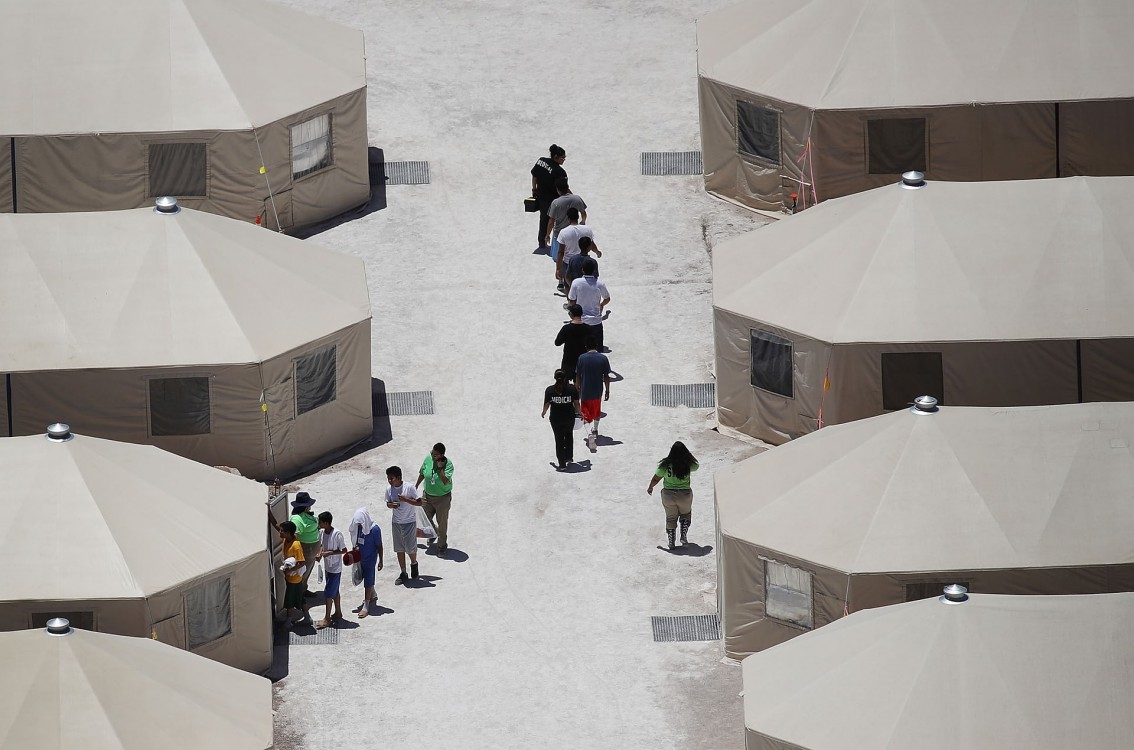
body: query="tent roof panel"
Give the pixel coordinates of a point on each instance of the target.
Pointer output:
(984, 261)
(857, 54)
(128, 66)
(138, 289)
(961, 489)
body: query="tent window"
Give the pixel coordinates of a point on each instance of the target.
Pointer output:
(208, 611)
(772, 364)
(917, 591)
(315, 379)
(896, 146)
(180, 406)
(80, 620)
(758, 131)
(907, 375)
(310, 146)
(787, 594)
(178, 169)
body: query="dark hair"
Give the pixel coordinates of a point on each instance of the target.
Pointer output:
(590, 266)
(572, 214)
(575, 310)
(440, 448)
(562, 186)
(584, 244)
(556, 151)
(394, 471)
(325, 517)
(560, 381)
(288, 527)
(679, 462)
(590, 342)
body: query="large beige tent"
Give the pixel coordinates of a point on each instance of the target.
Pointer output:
(92, 691)
(989, 673)
(207, 337)
(979, 294)
(824, 98)
(1025, 500)
(132, 540)
(108, 104)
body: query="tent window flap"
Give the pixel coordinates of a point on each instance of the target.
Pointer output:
(208, 611)
(895, 146)
(787, 594)
(315, 379)
(178, 169)
(772, 363)
(758, 131)
(907, 375)
(310, 146)
(180, 406)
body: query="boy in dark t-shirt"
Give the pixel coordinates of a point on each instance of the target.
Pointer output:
(572, 337)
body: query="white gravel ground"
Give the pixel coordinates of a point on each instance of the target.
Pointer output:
(537, 633)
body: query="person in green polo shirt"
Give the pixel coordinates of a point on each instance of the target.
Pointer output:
(674, 471)
(437, 473)
(306, 532)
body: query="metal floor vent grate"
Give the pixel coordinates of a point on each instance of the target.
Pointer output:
(686, 628)
(324, 637)
(405, 404)
(407, 172)
(693, 395)
(666, 163)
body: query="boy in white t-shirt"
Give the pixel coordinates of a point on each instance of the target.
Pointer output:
(401, 499)
(332, 546)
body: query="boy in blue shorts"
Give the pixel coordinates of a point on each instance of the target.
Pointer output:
(332, 546)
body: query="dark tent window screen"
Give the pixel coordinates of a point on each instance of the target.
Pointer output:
(208, 612)
(918, 591)
(758, 131)
(80, 620)
(896, 146)
(905, 376)
(772, 364)
(178, 169)
(310, 146)
(180, 406)
(315, 378)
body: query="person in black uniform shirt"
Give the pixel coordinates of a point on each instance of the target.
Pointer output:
(572, 337)
(563, 401)
(546, 172)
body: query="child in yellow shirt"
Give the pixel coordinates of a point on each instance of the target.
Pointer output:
(293, 568)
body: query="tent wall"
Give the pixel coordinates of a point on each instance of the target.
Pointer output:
(6, 194)
(298, 440)
(116, 616)
(744, 624)
(964, 143)
(4, 414)
(102, 172)
(742, 179)
(114, 404)
(768, 416)
(1096, 138)
(249, 644)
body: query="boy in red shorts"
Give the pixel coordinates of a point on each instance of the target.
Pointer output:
(593, 373)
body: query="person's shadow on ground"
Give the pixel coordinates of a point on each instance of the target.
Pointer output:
(689, 550)
(422, 582)
(452, 554)
(605, 440)
(372, 610)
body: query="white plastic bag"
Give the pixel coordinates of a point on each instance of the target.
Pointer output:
(356, 573)
(320, 572)
(425, 528)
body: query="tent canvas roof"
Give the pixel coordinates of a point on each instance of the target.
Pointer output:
(857, 54)
(960, 489)
(1006, 672)
(953, 261)
(98, 519)
(128, 66)
(102, 691)
(139, 289)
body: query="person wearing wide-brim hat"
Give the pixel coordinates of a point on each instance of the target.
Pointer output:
(306, 532)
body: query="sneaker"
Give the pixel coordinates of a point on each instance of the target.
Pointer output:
(402, 578)
(413, 570)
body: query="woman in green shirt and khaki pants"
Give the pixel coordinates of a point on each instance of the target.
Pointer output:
(676, 496)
